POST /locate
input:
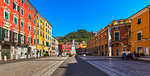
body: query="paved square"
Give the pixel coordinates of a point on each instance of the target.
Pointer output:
(34, 67)
(117, 67)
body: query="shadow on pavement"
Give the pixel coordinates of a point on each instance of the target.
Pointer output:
(74, 66)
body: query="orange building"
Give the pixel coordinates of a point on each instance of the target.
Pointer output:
(111, 40)
(140, 31)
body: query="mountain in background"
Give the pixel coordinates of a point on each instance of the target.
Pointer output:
(79, 36)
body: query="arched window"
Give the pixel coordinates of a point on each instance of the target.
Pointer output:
(124, 21)
(119, 22)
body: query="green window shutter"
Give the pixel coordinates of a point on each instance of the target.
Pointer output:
(3, 34)
(24, 39)
(0, 33)
(19, 41)
(34, 41)
(13, 36)
(37, 41)
(15, 20)
(7, 1)
(22, 1)
(10, 36)
(18, 9)
(14, 6)
(22, 24)
(21, 12)
(29, 8)
(6, 15)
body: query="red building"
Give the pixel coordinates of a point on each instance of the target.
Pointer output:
(17, 28)
(66, 47)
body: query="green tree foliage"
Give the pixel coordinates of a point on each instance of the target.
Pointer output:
(79, 36)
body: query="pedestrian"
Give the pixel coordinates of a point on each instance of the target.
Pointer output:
(124, 56)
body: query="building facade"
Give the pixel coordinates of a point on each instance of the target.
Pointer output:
(140, 31)
(112, 40)
(17, 29)
(47, 36)
(66, 47)
(21, 30)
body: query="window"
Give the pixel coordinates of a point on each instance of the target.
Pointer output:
(22, 11)
(34, 41)
(37, 41)
(129, 33)
(22, 24)
(119, 22)
(22, 38)
(139, 36)
(124, 21)
(46, 29)
(116, 28)
(102, 38)
(29, 16)
(15, 36)
(29, 8)
(34, 21)
(29, 27)
(34, 30)
(6, 33)
(6, 15)
(15, 20)
(116, 36)
(38, 17)
(38, 24)
(139, 21)
(22, 1)
(6, 1)
(129, 26)
(40, 21)
(15, 6)
(29, 40)
(105, 37)
(34, 13)
(38, 31)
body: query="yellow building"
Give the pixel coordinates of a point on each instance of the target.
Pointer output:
(140, 31)
(39, 35)
(83, 45)
(47, 36)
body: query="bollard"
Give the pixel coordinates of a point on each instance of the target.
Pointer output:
(5, 58)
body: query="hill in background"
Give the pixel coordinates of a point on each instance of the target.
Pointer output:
(79, 36)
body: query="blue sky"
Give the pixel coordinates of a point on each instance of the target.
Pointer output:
(70, 15)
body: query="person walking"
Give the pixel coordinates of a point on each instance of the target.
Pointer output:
(124, 56)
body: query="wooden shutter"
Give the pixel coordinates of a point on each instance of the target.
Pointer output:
(10, 36)
(24, 39)
(3, 34)
(13, 36)
(19, 40)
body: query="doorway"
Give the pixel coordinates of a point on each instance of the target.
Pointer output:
(146, 50)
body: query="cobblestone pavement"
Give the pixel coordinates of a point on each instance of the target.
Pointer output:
(118, 67)
(34, 67)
